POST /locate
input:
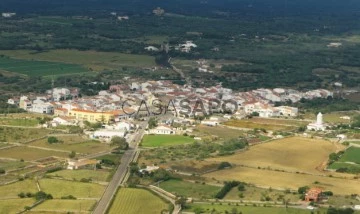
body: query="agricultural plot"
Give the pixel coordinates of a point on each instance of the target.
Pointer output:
(60, 188)
(65, 206)
(283, 180)
(21, 135)
(333, 117)
(18, 121)
(217, 209)
(12, 190)
(15, 205)
(250, 124)
(165, 140)
(94, 175)
(289, 154)
(9, 164)
(352, 154)
(190, 189)
(252, 193)
(92, 60)
(74, 143)
(39, 68)
(29, 154)
(221, 132)
(131, 201)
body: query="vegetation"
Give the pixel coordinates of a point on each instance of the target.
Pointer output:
(129, 200)
(190, 189)
(165, 140)
(227, 187)
(119, 142)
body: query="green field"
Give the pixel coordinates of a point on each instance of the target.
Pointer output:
(29, 154)
(9, 165)
(18, 121)
(39, 68)
(15, 205)
(12, 190)
(136, 201)
(165, 140)
(60, 188)
(74, 143)
(94, 175)
(189, 189)
(86, 60)
(352, 154)
(217, 209)
(65, 206)
(12, 134)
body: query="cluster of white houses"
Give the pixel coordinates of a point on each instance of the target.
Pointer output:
(123, 101)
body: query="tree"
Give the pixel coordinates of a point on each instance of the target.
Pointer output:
(52, 140)
(72, 154)
(152, 123)
(302, 190)
(119, 142)
(2, 171)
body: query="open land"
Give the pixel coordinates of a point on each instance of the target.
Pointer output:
(131, 201)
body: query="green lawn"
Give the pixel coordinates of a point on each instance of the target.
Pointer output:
(95, 175)
(352, 154)
(136, 201)
(15, 205)
(39, 68)
(189, 189)
(225, 208)
(65, 206)
(9, 165)
(60, 188)
(165, 140)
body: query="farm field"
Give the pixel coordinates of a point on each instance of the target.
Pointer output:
(9, 164)
(18, 121)
(12, 190)
(38, 68)
(74, 143)
(252, 193)
(95, 175)
(60, 188)
(287, 154)
(282, 180)
(250, 124)
(221, 132)
(29, 154)
(333, 117)
(351, 168)
(207, 208)
(277, 121)
(65, 206)
(15, 205)
(352, 154)
(131, 201)
(21, 135)
(165, 140)
(190, 189)
(91, 60)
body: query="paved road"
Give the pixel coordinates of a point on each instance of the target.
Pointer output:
(120, 173)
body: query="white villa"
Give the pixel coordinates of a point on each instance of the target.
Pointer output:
(162, 130)
(319, 125)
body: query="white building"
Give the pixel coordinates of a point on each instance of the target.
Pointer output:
(151, 48)
(8, 15)
(108, 134)
(318, 125)
(288, 111)
(42, 108)
(162, 130)
(210, 122)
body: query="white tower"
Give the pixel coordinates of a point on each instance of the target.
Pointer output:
(319, 119)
